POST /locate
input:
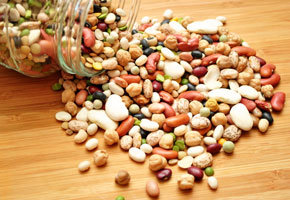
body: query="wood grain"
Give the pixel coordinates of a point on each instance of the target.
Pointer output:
(39, 162)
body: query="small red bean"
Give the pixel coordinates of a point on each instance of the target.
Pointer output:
(278, 101)
(244, 51)
(89, 37)
(214, 148)
(196, 172)
(251, 105)
(131, 78)
(81, 97)
(93, 89)
(210, 59)
(169, 111)
(263, 105)
(164, 174)
(157, 87)
(267, 70)
(199, 71)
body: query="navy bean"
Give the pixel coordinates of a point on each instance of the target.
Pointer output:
(134, 31)
(99, 95)
(196, 54)
(145, 44)
(190, 87)
(207, 38)
(165, 21)
(266, 115)
(139, 116)
(148, 51)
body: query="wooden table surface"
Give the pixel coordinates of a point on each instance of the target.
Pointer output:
(38, 161)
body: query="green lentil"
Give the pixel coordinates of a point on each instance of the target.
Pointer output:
(143, 141)
(137, 122)
(109, 30)
(56, 86)
(21, 20)
(90, 97)
(173, 135)
(49, 31)
(167, 77)
(184, 81)
(160, 78)
(97, 104)
(228, 147)
(105, 86)
(209, 171)
(134, 108)
(204, 112)
(159, 47)
(223, 38)
(120, 198)
(123, 28)
(11, 5)
(135, 70)
(180, 144)
(34, 3)
(103, 16)
(175, 148)
(24, 32)
(28, 14)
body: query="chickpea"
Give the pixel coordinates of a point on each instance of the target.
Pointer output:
(122, 177)
(157, 162)
(195, 107)
(267, 90)
(71, 107)
(101, 157)
(224, 108)
(185, 182)
(166, 141)
(111, 137)
(202, 45)
(127, 100)
(192, 138)
(219, 119)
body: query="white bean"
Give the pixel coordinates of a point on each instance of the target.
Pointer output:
(91, 144)
(155, 97)
(63, 116)
(137, 155)
(116, 89)
(133, 130)
(141, 60)
(212, 182)
(89, 105)
(146, 148)
(92, 129)
(209, 140)
(218, 132)
(146, 112)
(81, 136)
(148, 125)
(195, 151)
(168, 14)
(84, 166)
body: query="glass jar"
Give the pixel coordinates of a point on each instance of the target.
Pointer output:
(39, 37)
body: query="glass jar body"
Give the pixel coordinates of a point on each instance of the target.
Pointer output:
(46, 36)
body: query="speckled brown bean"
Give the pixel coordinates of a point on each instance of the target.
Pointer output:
(125, 126)
(81, 97)
(177, 120)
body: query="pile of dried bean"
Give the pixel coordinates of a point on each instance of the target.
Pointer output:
(185, 92)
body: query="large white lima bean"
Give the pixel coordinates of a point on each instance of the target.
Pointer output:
(241, 117)
(116, 109)
(92, 143)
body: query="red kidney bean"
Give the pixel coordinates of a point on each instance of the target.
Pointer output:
(169, 111)
(164, 174)
(203, 131)
(273, 80)
(251, 105)
(214, 148)
(125, 126)
(81, 97)
(152, 77)
(244, 51)
(180, 38)
(267, 70)
(89, 37)
(210, 59)
(85, 49)
(229, 119)
(196, 172)
(157, 86)
(144, 26)
(93, 89)
(168, 154)
(102, 26)
(192, 95)
(167, 128)
(199, 71)
(214, 37)
(177, 120)
(191, 45)
(131, 78)
(263, 105)
(165, 96)
(278, 100)
(152, 61)
(262, 61)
